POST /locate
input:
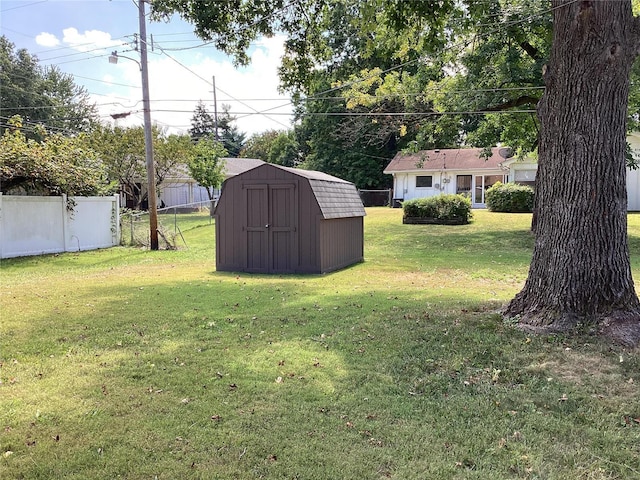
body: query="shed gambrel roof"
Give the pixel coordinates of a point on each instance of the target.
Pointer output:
(337, 198)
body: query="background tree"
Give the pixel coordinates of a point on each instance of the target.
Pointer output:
(54, 166)
(273, 146)
(171, 153)
(259, 145)
(44, 96)
(206, 165)
(203, 124)
(231, 137)
(122, 152)
(580, 271)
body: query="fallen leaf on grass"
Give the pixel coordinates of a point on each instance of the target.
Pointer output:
(279, 380)
(216, 418)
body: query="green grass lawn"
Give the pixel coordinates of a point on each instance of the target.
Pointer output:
(131, 364)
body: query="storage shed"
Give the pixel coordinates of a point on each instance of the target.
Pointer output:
(274, 219)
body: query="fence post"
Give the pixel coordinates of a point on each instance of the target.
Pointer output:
(65, 223)
(115, 219)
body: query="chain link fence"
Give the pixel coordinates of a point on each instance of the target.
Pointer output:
(172, 222)
(376, 198)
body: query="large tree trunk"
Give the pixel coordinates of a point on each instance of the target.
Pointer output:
(580, 273)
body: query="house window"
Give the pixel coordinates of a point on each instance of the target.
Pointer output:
(463, 184)
(424, 181)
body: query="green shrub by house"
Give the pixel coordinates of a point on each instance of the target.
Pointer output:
(440, 209)
(509, 197)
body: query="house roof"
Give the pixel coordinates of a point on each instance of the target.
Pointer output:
(449, 159)
(232, 167)
(336, 197)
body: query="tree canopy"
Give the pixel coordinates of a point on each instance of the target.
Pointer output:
(122, 152)
(203, 124)
(41, 96)
(206, 165)
(273, 146)
(55, 165)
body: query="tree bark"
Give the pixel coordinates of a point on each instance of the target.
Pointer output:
(580, 274)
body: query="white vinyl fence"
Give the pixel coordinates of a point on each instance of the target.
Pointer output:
(40, 225)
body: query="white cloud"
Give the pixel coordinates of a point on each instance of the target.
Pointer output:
(45, 39)
(176, 90)
(89, 40)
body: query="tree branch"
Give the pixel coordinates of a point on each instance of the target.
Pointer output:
(532, 51)
(516, 102)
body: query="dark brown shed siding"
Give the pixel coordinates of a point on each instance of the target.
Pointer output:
(299, 237)
(341, 243)
(229, 245)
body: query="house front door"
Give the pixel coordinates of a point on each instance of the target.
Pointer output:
(270, 228)
(482, 184)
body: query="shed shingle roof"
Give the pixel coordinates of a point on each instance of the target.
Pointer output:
(336, 197)
(451, 159)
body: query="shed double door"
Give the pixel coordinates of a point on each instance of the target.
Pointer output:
(270, 227)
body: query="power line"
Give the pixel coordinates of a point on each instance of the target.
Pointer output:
(22, 6)
(211, 84)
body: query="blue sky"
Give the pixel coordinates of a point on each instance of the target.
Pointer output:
(78, 36)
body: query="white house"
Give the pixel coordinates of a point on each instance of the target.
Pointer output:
(178, 188)
(432, 172)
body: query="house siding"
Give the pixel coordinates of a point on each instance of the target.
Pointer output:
(633, 190)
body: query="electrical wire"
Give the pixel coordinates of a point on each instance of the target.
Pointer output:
(219, 89)
(318, 96)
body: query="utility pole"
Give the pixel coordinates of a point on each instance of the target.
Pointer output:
(148, 137)
(215, 108)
